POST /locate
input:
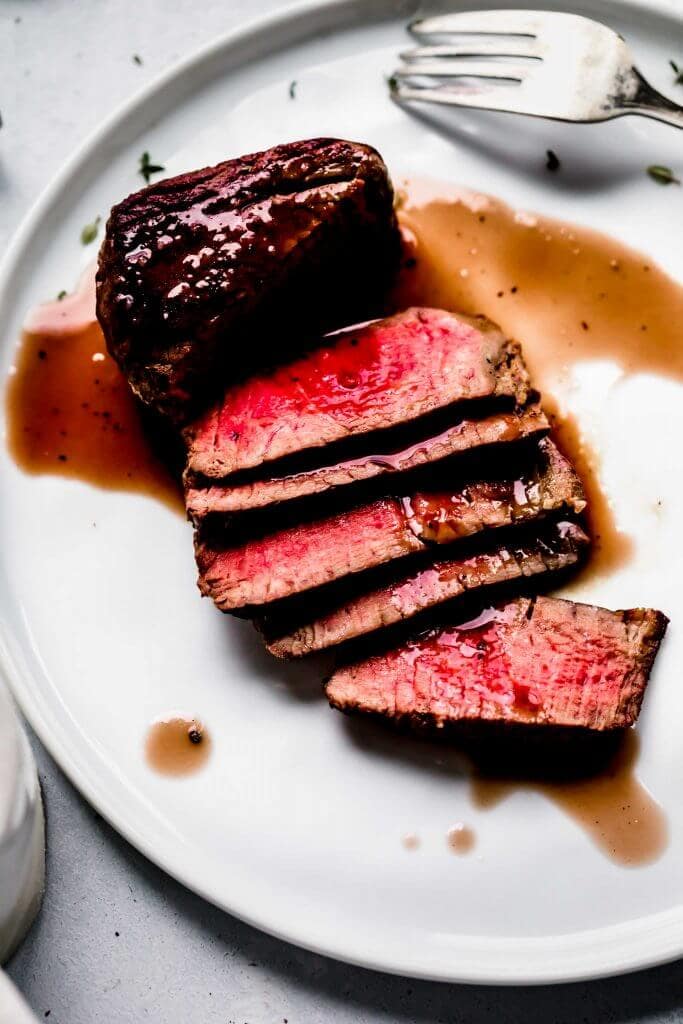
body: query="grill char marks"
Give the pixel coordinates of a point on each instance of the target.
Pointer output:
(199, 275)
(540, 662)
(559, 547)
(365, 379)
(313, 554)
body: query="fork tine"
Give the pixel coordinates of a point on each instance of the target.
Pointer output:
(465, 69)
(506, 22)
(523, 47)
(481, 97)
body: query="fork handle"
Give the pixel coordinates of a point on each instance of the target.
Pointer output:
(639, 97)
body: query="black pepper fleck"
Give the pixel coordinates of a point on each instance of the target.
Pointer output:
(194, 734)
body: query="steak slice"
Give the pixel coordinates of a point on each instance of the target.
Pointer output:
(312, 554)
(519, 425)
(366, 379)
(199, 275)
(539, 661)
(559, 547)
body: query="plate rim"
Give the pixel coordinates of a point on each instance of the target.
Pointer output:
(576, 956)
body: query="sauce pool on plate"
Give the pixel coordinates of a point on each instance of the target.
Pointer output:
(569, 294)
(565, 292)
(461, 839)
(177, 745)
(70, 411)
(612, 807)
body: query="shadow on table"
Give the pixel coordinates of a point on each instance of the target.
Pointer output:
(585, 152)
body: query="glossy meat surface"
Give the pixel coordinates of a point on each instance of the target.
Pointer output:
(365, 379)
(539, 661)
(312, 554)
(224, 269)
(557, 548)
(463, 438)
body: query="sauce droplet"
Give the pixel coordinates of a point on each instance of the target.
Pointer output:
(461, 839)
(177, 746)
(613, 808)
(70, 411)
(411, 841)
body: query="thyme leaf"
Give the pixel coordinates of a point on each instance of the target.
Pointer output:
(89, 232)
(662, 175)
(147, 168)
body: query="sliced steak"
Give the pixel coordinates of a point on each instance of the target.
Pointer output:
(519, 425)
(539, 661)
(366, 379)
(312, 554)
(558, 547)
(445, 516)
(199, 275)
(278, 565)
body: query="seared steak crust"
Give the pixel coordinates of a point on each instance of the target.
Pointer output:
(200, 276)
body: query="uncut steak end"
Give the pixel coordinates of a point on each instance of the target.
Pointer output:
(221, 270)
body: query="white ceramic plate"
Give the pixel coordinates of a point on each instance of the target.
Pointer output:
(296, 823)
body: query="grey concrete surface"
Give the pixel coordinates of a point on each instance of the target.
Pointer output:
(118, 941)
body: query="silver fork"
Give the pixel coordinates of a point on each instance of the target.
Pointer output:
(541, 63)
